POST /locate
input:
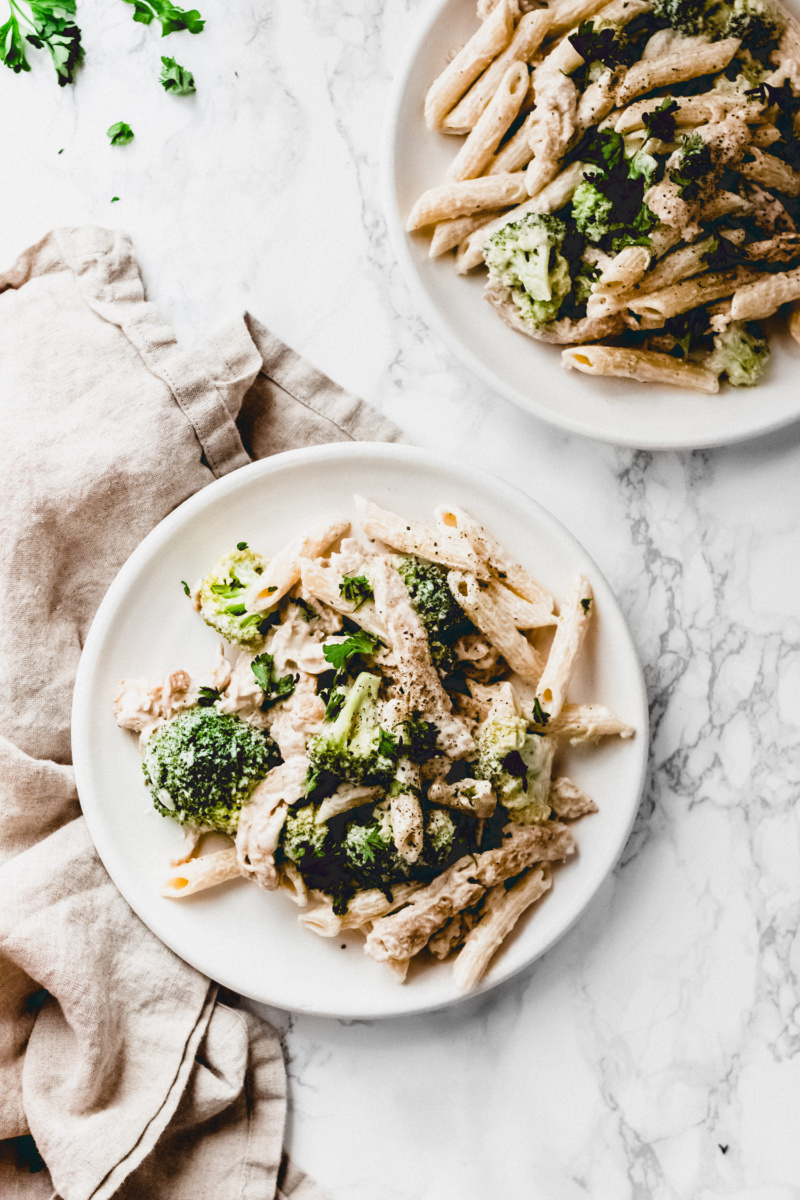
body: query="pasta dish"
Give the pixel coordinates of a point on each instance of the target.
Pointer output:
(379, 735)
(629, 176)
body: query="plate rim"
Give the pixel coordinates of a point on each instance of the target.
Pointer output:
(81, 734)
(399, 240)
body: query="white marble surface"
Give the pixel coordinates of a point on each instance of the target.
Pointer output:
(655, 1053)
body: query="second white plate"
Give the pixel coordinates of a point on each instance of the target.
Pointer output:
(527, 372)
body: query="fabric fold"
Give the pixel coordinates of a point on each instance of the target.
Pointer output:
(120, 1060)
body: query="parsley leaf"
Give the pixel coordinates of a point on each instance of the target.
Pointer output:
(338, 654)
(660, 123)
(120, 134)
(357, 589)
(421, 738)
(603, 46)
(308, 610)
(176, 80)
(387, 744)
(515, 765)
(585, 605)
(208, 696)
(171, 18)
(273, 689)
(334, 705)
(239, 545)
(186, 588)
(45, 24)
(540, 717)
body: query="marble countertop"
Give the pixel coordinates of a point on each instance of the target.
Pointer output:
(655, 1052)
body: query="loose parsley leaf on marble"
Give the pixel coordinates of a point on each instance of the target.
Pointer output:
(47, 25)
(120, 134)
(169, 15)
(176, 80)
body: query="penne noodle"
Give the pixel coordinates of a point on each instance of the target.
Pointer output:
(283, 571)
(770, 171)
(624, 270)
(364, 907)
(343, 799)
(516, 153)
(576, 613)
(323, 584)
(681, 264)
(648, 366)
(655, 308)
(568, 802)
(499, 913)
(484, 46)
(691, 110)
(468, 196)
(724, 204)
(497, 624)
(677, 67)
(528, 36)
(765, 295)
(493, 124)
(448, 234)
(509, 572)
(570, 13)
(201, 873)
(577, 723)
(450, 547)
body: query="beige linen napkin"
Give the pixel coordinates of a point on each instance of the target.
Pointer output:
(119, 1064)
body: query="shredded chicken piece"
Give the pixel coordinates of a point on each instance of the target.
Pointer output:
(143, 709)
(262, 818)
(419, 685)
(294, 720)
(473, 796)
(553, 124)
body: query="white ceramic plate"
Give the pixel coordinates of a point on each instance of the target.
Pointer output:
(249, 939)
(527, 372)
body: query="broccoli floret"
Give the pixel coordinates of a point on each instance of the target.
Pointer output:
(442, 616)
(439, 837)
(354, 749)
(371, 856)
(593, 212)
(202, 766)
(524, 256)
(691, 166)
(741, 353)
(222, 595)
(750, 20)
(517, 764)
(610, 199)
(301, 836)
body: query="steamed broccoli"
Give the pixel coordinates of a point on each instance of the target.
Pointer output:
(749, 20)
(222, 595)
(517, 764)
(354, 749)
(202, 766)
(370, 853)
(442, 616)
(610, 199)
(524, 257)
(593, 212)
(691, 165)
(301, 836)
(741, 353)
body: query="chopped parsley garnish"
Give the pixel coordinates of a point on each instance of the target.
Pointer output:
(421, 738)
(176, 80)
(120, 134)
(169, 15)
(660, 123)
(45, 24)
(357, 589)
(602, 46)
(387, 744)
(186, 588)
(539, 715)
(239, 545)
(208, 697)
(308, 610)
(339, 654)
(274, 689)
(585, 605)
(693, 166)
(334, 705)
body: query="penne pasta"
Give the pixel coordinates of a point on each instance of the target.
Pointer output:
(576, 613)
(675, 68)
(492, 125)
(765, 295)
(490, 40)
(283, 571)
(487, 612)
(499, 562)
(448, 234)
(568, 802)
(528, 36)
(450, 547)
(500, 912)
(578, 723)
(466, 197)
(198, 874)
(648, 366)
(771, 172)
(656, 307)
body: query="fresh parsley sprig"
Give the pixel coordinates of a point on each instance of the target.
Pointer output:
(274, 689)
(357, 589)
(176, 80)
(120, 134)
(660, 123)
(171, 18)
(47, 25)
(340, 654)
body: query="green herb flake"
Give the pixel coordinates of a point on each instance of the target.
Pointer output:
(120, 134)
(176, 80)
(208, 697)
(47, 25)
(539, 715)
(241, 546)
(274, 689)
(357, 589)
(186, 587)
(339, 654)
(114, 199)
(586, 605)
